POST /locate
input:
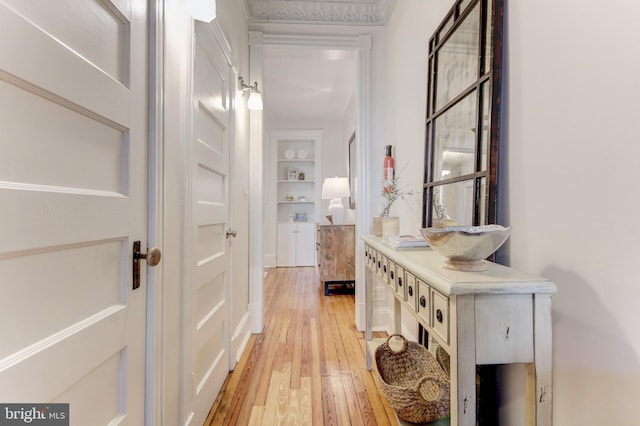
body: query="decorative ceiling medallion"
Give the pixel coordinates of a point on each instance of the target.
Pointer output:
(352, 12)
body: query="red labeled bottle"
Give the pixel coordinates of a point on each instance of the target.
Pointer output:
(388, 173)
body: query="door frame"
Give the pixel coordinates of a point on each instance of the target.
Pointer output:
(170, 87)
(153, 364)
(361, 44)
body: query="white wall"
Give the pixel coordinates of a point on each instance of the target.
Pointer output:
(568, 168)
(572, 98)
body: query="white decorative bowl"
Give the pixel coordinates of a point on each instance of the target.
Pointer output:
(302, 154)
(289, 154)
(464, 247)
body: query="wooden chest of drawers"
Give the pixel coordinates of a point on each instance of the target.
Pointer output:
(336, 254)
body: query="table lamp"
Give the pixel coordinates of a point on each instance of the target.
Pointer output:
(335, 189)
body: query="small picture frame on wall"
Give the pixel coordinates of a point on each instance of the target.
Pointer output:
(292, 174)
(300, 217)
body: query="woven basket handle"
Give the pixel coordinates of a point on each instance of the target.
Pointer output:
(443, 386)
(405, 343)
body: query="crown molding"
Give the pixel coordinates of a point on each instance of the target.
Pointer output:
(349, 12)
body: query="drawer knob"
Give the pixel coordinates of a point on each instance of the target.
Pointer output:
(423, 301)
(439, 315)
(410, 290)
(392, 275)
(384, 268)
(379, 264)
(400, 282)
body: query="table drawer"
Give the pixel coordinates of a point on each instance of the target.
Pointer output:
(410, 294)
(423, 305)
(368, 257)
(391, 275)
(377, 262)
(400, 281)
(440, 315)
(383, 269)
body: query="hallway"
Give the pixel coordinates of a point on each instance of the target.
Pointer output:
(308, 367)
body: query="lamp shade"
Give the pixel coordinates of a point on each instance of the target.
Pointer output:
(336, 187)
(255, 101)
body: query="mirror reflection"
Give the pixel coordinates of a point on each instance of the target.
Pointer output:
(453, 204)
(455, 140)
(457, 60)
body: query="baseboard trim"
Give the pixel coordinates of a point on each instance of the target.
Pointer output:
(240, 338)
(255, 317)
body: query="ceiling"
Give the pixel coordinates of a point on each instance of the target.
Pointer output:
(311, 87)
(351, 12)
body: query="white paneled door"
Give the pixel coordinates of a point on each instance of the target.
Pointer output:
(209, 281)
(73, 170)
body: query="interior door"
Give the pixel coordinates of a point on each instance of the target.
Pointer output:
(209, 283)
(73, 167)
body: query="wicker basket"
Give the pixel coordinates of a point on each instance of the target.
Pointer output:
(412, 380)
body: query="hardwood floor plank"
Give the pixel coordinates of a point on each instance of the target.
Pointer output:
(328, 402)
(256, 418)
(350, 396)
(271, 405)
(306, 350)
(296, 369)
(284, 393)
(342, 411)
(306, 406)
(316, 373)
(308, 365)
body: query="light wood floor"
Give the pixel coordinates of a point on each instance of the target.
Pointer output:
(308, 367)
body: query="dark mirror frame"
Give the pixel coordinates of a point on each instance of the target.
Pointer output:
(483, 179)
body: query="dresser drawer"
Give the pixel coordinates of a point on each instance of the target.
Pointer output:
(410, 292)
(400, 281)
(440, 315)
(423, 305)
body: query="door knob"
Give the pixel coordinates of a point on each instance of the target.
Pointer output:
(152, 256)
(231, 233)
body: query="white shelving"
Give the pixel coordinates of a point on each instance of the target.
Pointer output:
(296, 153)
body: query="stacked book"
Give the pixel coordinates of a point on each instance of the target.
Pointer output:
(399, 242)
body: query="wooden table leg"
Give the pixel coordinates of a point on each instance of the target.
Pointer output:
(463, 360)
(538, 375)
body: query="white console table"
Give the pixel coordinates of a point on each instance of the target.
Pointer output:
(499, 316)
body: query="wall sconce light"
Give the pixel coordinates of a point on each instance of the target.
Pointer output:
(255, 98)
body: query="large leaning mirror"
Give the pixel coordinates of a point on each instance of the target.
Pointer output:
(463, 116)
